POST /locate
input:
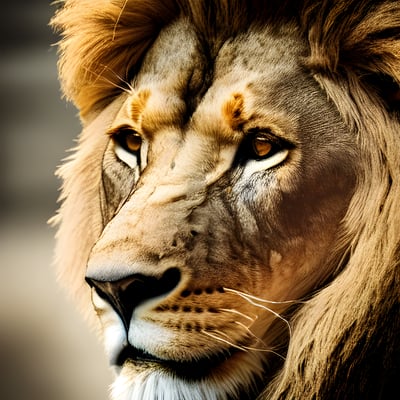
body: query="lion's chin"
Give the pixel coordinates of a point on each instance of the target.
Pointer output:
(152, 379)
(195, 369)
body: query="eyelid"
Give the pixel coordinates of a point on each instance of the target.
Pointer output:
(130, 159)
(275, 137)
(114, 131)
(255, 166)
(267, 134)
(121, 130)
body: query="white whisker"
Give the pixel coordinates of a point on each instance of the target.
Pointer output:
(246, 295)
(239, 347)
(258, 341)
(100, 76)
(239, 313)
(249, 299)
(129, 86)
(223, 340)
(249, 331)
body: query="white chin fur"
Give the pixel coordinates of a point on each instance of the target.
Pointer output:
(160, 386)
(157, 384)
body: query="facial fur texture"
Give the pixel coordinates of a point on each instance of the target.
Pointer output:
(230, 217)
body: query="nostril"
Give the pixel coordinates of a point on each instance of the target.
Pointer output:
(127, 293)
(169, 280)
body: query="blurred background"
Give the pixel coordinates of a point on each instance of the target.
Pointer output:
(46, 349)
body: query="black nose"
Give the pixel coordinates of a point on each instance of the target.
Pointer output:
(126, 294)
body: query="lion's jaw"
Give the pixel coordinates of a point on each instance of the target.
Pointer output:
(146, 377)
(215, 227)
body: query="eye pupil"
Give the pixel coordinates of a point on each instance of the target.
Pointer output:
(261, 146)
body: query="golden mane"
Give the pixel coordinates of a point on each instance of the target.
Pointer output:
(104, 41)
(349, 331)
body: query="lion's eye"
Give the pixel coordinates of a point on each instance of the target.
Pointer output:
(128, 139)
(261, 146)
(127, 145)
(262, 150)
(133, 142)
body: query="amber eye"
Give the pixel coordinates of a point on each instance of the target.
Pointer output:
(128, 139)
(262, 146)
(127, 145)
(133, 142)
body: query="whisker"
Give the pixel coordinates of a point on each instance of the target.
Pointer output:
(249, 299)
(239, 313)
(100, 76)
(251, 333)
(118, 19)
(246, 295)
(277, 315)
(125, 82)
(239, 347)
(223, 340)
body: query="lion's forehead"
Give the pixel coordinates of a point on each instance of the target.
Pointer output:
(255, 78)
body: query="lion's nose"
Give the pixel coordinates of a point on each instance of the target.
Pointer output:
(127, 293)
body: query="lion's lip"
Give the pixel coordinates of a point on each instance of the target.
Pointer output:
(193, 369)
(132, 353)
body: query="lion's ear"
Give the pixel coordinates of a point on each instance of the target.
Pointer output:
(361, 37)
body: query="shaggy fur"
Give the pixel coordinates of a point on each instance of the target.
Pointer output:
(345, 341)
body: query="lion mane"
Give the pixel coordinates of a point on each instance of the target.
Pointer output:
(344, 341)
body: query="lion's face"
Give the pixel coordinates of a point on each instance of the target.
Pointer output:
(224, 183)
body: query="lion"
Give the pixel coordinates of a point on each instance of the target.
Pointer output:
(230, 217)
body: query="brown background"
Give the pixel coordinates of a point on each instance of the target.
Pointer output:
(46, 349)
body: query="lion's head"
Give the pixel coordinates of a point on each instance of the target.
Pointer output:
(231, 213)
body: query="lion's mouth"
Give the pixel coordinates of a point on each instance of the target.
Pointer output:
(194, 369)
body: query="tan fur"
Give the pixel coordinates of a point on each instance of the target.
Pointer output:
(342, 338)
(138, 105)
(233, 111)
